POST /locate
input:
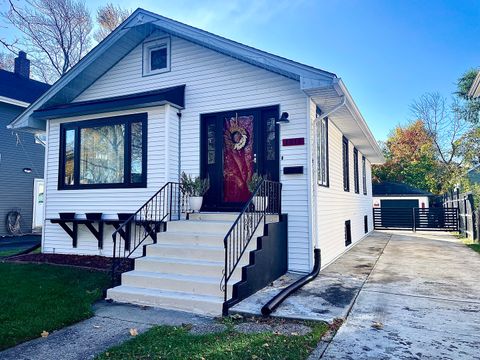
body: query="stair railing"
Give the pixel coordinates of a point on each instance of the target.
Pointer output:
(167, 204)
(265, 200)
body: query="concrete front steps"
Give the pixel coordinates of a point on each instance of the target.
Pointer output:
(182, 271)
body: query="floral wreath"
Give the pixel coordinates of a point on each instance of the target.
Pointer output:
(236, 136)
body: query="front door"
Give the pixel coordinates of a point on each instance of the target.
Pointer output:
(38, 197)
(235, 145)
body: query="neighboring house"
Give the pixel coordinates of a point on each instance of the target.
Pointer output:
(157, 98)
(21, 154)
(474, 174)
(398, 195)
(474, 91)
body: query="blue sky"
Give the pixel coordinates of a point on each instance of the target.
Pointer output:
(387, 52)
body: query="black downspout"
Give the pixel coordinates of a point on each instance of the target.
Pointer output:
(270, 307)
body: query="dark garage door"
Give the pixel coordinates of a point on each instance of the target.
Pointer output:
(402, 203)
(395, 214)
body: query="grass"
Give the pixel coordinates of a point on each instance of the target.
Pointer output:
(475, 247)
(36, 298)
(10, 252)
(167, 342)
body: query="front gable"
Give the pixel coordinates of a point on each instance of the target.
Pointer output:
(198, 67)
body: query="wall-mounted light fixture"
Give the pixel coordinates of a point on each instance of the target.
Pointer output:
(27, 170)
(283, 119)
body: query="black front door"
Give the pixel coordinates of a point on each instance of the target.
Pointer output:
(235, 145)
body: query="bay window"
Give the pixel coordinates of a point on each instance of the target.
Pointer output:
(103, 153)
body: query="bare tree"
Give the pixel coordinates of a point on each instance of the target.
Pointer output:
(55, 33)
(447, 128)
(108, 18)
(6, 61)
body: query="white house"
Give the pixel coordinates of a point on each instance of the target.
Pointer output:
(157, 98)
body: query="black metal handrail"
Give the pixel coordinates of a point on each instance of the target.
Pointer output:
(265, 200)
(167, 204)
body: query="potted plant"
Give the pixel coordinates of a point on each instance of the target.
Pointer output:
(260, 200)
(195, 189)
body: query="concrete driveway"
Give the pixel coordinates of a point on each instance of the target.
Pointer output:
(420, 301)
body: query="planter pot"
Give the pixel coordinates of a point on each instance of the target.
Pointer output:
(195, 202)
(260, 202)
(67, 215)
(124, 216)
(94, 216)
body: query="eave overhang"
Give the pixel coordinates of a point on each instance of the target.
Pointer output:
(346, 117)
(173, 95)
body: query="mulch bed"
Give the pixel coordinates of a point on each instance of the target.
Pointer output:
(84, 261)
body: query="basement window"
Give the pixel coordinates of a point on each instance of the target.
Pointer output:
(348, 233)
(365, 223)
(156, 56)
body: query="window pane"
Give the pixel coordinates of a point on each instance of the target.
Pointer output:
(136, 164)
(102, 154)
(69, 156)
(211, 143)
(158, 59)
(346, 166)
(271, 151)
(322, 149)
(364, 170)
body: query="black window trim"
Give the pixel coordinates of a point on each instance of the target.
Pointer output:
(356, 175)
(327, 160)
(364, 178)
(348, 233)
(346, 164)
(114, 120)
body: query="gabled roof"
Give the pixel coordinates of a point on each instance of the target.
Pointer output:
(386, 188)
(16, 87)
(143, 23)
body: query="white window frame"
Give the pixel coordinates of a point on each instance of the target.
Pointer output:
(153, 45)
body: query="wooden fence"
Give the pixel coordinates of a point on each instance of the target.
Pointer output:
(468, 212)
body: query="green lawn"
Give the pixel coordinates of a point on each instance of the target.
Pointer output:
(4, 253)
(34, 298)
(166, 342)
(475, 247)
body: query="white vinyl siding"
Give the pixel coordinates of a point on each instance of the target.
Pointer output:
(335, 206)
(214, 82)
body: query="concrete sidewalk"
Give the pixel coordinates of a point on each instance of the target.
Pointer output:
(421, 301)
(109, 327)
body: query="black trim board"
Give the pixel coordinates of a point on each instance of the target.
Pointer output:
(172, 95)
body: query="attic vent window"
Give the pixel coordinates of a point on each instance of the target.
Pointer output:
(156, 56)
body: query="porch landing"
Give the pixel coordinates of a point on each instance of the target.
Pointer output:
(331, 294)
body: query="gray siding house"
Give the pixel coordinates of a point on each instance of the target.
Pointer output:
(21, 155)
